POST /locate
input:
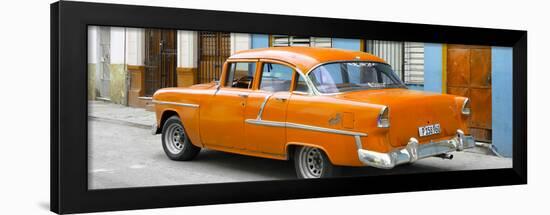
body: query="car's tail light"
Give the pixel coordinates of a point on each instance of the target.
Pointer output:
(384, 118)
(466, 107)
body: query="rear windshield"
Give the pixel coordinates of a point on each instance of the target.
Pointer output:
(351, 76)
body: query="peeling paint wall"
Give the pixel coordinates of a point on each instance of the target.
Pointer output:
(118, 83)
(91, 81)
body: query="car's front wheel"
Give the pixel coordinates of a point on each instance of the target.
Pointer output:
(175, 142)
(312, 162)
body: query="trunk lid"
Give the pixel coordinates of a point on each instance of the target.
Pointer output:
(410, 109)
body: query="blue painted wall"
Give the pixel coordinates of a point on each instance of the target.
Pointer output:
(433, 59)
(501, 81)
(349, 44)
(260, 41)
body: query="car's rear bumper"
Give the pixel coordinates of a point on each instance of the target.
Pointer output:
(414, 151)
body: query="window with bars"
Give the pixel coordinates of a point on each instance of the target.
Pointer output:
(284, 40)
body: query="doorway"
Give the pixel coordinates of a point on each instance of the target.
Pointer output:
(160, 60)
(469, 75)
(214, 49)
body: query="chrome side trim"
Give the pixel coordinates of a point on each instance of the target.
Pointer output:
(303, 127)
(322, 129)
(176, 103)
(265, 123)
(259, 117)
(311, 89)
(300, 93)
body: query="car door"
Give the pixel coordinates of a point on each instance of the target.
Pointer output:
(222, 121)
(272, 93)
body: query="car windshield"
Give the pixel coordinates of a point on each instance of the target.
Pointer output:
(351, 76)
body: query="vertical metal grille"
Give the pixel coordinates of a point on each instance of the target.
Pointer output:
(160, 60)
(414, 63)
(214, 49)
(390, 51)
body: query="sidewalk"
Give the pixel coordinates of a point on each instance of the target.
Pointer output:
(109, 111)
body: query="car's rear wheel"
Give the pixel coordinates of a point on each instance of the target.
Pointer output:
(175, 142)
(312, 162)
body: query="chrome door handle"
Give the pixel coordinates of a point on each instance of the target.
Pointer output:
(280, 99)
(244, 96)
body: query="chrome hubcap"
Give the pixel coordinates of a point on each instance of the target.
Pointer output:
(311, 162)
(174, 138)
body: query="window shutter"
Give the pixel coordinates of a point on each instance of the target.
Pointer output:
(299, 41)
(283, 40)
(414, 63)
(323, 42)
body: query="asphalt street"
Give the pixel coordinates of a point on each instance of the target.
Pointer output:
(124, 154)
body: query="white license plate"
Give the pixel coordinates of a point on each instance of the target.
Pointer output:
(429, 130)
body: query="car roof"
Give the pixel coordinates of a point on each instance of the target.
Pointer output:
(304, 58)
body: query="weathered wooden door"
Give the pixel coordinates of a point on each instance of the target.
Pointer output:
(160, 60)
(214, 49)
(104, 71)
(469, 75)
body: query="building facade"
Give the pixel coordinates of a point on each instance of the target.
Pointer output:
(127, 65)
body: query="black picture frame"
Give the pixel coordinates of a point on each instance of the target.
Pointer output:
(69, 122)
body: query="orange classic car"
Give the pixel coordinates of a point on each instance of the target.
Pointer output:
(322, 108)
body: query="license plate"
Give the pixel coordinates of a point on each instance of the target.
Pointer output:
(429, 130)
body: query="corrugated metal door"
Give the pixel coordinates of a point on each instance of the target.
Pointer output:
(214, 49)
(469, 75)
(390, 51)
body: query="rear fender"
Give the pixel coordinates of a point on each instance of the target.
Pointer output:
(289, 148)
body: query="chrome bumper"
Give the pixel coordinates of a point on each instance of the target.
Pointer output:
(155, 129)
(414, 151)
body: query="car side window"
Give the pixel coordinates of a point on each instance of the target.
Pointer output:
(240, 75)
(276, 77)
(301, 85)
